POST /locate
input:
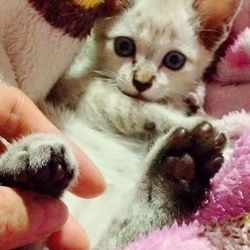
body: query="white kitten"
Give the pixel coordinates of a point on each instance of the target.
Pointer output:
(146, 62)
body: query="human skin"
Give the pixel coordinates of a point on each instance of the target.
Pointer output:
(27, 216)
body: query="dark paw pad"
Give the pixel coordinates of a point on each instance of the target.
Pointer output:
(190, 159)
(51, 178)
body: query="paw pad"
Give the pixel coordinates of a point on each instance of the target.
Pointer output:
(189, 159)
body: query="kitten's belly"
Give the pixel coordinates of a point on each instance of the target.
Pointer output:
(119, 162)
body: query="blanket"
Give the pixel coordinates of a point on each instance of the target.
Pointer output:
(222, 222)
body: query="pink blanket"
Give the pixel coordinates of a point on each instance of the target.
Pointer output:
(222, 221)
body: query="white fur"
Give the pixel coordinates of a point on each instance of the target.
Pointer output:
(119, 162)
(234, 124)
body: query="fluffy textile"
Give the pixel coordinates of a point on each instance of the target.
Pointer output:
(230, 88)
(185, 237)
(222, 221)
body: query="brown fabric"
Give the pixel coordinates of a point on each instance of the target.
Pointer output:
(66, 15)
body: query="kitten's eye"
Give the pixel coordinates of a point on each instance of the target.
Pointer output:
(124, 46)
(174, 60)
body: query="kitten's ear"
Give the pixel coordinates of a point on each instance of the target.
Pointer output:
(215, 18)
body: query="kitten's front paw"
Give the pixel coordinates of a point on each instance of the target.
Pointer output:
(42, 163)
(189, 159)
(192, 104)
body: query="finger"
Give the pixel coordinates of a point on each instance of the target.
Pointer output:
(26, 217)
(71, 236)
(19, 116)
(90, 182)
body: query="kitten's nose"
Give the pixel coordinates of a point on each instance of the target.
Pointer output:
(141, 86)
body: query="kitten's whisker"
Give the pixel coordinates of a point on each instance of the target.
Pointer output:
(110, 82)
(117, 76)
(109, 74)
(106, 72)
(105, 75)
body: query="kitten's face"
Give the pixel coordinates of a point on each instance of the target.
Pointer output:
(154, 50)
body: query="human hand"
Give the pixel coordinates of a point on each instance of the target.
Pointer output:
(26, 216)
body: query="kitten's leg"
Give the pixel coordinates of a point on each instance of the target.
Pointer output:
(39, 162)
(177, 173)
(187, 159)
(195, 100)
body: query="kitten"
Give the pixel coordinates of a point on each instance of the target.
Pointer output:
(130, 118)
(146, 64)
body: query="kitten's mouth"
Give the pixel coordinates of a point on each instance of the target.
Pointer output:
(138, 96)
